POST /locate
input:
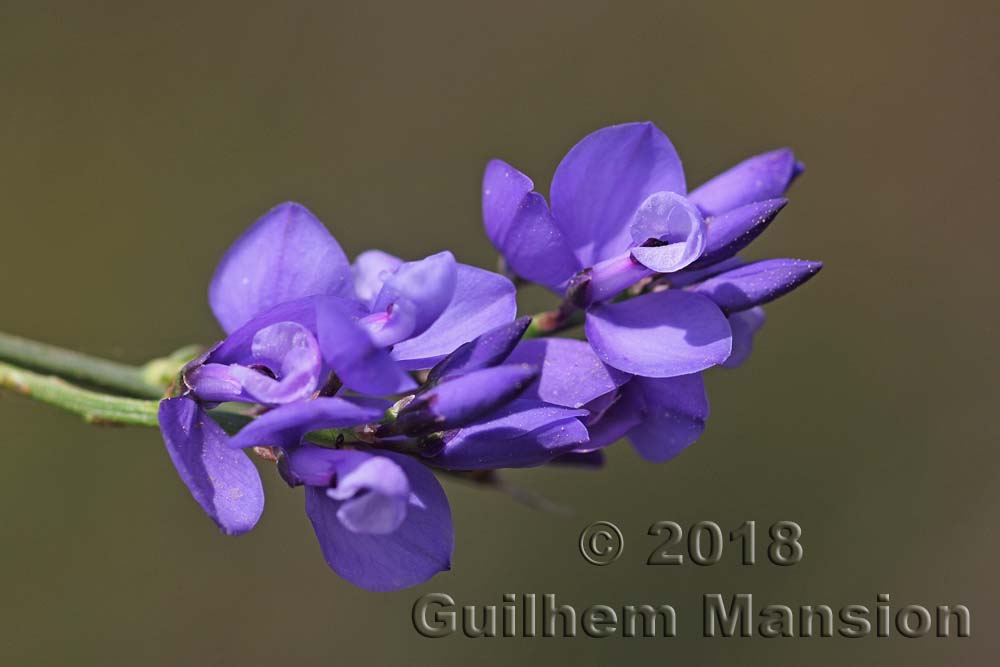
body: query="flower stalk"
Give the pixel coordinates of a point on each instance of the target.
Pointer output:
(121, 378)
(94, 407)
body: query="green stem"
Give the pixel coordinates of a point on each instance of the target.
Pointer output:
(97, 408)
(554, 321)
(125, 379)
(94, 407)
(145, 382)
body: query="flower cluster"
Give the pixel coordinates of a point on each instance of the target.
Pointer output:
(362, 379)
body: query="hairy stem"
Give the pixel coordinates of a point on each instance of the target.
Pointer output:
(122, 378)
(94, 407)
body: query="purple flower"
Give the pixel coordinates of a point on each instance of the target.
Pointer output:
(523, 433)
(296, 310)
(660, 416)
(740, 204)
(327, 351)
(224, 482)
(759, 178)
(461, 400)
(306, 333)
(381, 518)
(302, 322)
(619, 216)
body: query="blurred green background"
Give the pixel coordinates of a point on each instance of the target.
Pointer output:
(137, 140)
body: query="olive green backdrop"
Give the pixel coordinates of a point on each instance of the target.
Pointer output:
(137, 140)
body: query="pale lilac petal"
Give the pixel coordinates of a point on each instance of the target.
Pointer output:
(289, 352)
(457, 402)
(521, 228)
(372, 492)
(482, 301)
(371, 269)
(521, 434)
(571, 374)
(223, 481)
(396, 323)
(489, 349)
(286, 425)
(670, 232)
(757, 283)
(418, 549)
(286, 255)
(675, 413)
(237, 348)
(764, 176)
(745, 325)
(662, 334)
(604, 179)
(731, 232)
(349, 350)
(418, 292)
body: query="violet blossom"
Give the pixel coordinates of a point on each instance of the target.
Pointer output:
(622, 223)
(619, 216)
(365, 378)
(308, 336)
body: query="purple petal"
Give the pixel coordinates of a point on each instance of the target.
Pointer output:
(604, 179)
(745, 325)
(455, 403)
(483, 300)
(521, 228)
(413, 553)
(416, 293)
(484, 351)
(222, 480)
(690, 276)
(610, 423)
(359, 363)
(662, 334)
(571, 374)
(731, 232)
(310, 465)
(764, 176)
(671, 220)
(286, 425)
(605, 280)
(523, 433)
(676, 409)
(757, 283)
(371, 269)
(286, 255)
(214, 383)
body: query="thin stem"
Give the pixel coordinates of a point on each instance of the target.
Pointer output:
(94, 407)
(98, 408)
(128, 380)
(566, 316)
